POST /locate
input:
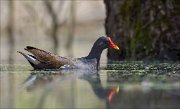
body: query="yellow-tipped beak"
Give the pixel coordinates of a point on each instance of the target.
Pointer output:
(117, 89)
(116, 47)
(112, 44)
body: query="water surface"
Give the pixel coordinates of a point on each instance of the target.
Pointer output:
(117, 86)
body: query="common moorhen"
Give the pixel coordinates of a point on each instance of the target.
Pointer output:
(45, 60)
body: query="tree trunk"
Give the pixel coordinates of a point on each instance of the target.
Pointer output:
(143, 29)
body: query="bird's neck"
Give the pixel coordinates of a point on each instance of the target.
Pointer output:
(95, 53)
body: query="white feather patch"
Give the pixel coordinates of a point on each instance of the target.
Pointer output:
(33, 60)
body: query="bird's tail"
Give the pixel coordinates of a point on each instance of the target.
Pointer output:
(31, 59)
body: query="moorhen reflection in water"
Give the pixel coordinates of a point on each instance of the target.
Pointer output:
(47, 78)
(42, 78)
(45, 60)
(113, 97)
(104, 93)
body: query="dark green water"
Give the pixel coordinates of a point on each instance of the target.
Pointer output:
(120, 86)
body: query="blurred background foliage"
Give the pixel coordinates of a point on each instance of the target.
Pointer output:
(67, 28)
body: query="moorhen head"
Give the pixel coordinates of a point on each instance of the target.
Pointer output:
(101, 44)
(45, 60)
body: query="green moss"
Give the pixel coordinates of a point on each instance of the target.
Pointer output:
(137, 23)
(141, 40)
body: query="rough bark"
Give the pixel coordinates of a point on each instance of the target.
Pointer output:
(143, 29)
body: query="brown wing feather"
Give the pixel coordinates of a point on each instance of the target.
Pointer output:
(49, 59)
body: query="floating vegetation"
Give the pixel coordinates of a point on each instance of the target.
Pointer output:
(144, 66)
(139, 71)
